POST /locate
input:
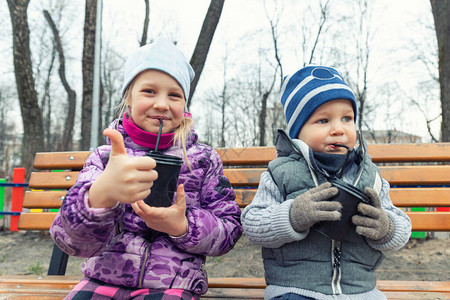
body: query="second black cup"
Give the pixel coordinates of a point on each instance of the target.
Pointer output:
(163, 189)
(349, 196)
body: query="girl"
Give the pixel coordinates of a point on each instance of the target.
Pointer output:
(104, 218)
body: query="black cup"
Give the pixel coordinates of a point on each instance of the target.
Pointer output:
(349, 196)
(163, 189)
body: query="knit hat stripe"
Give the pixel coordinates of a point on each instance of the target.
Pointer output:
(311, 95)
(285, 82)
(307, 89)
(292, 94)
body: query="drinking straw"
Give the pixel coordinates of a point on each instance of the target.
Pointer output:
(159, 134)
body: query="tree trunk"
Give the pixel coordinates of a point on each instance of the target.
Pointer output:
(262, 118)
(66, 143)
(88, 72)
(31, 113)
(441, 14)
(201, 50)
(146, 21)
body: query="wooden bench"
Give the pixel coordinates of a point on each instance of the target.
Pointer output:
(418, 173)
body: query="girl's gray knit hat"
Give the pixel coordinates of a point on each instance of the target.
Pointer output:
(160, 55)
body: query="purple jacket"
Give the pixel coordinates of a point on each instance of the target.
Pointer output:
(113, 240)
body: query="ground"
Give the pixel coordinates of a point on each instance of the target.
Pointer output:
(29, 253)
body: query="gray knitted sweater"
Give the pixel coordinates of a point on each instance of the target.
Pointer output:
(266, 223)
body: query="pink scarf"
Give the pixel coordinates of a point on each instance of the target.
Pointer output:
(144, 138)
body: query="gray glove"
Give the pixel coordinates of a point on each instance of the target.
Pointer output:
(312, 207)
(374, 223)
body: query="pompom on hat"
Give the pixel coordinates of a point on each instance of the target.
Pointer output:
(307, 89)
(160, 55)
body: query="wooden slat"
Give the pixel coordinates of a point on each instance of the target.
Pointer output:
(416, 175)
(43, 199)
(61, 160)
(401, 197)
(262, 155)
(406, 285)
(29, 281)
(33, 294)
(396, 175)
(36, 221)
(385, 285)
(237, 282)
(431, 152)
(53, 294)
(421, 221)
(244, 177)
(36, 287)
(247, 155)
(423, 152)
(231, 293)
(52, 180)
(39, 286)
(430, 221)
(416, 295)
(420, 197)
(244, 196)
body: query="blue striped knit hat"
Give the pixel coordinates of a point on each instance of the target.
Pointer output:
(307, 89)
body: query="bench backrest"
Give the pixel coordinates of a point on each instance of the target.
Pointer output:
(419, 175)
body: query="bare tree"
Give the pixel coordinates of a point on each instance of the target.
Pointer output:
(31, 113)
(111, 80)
(362, 61)
(273, 22)
(312, 30)
(146, 21)
(46, 101)
(88, 72)
(424, 49)
(441, 14)
(420, 107)
(224, 102)
(265, 93)
(66, 142)
(201, 50)
(355, 63)
(324, 9)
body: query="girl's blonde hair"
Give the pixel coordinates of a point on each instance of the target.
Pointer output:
(181, 133)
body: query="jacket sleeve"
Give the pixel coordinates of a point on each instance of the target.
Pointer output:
(266, 219)
(402, 223)
(78, 229)
(213, 227)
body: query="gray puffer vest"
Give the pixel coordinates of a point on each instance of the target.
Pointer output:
(318, 263)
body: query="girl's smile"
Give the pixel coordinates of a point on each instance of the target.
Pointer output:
(156, 95)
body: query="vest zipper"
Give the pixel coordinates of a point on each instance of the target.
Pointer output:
(141, 274)
(336, 261)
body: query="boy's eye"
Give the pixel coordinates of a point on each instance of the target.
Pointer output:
(322, 121)
(149, 91)
(346, 119)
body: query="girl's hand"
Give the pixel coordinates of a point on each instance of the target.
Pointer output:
(171, 220)
(125, 179)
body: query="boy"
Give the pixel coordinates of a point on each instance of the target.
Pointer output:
(294, 196)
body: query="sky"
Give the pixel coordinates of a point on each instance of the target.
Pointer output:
(395, 26)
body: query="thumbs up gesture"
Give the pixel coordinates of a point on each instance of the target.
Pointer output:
(125, 179)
